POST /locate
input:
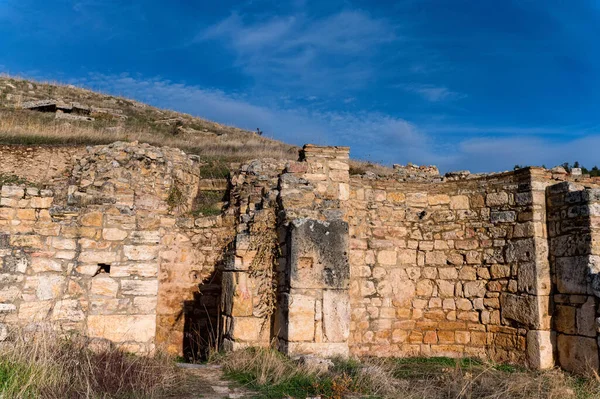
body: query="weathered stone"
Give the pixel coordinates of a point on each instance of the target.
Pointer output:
(577, 354)
(122, 328)
(336, 315)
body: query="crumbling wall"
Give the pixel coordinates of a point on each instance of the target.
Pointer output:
(90, 262)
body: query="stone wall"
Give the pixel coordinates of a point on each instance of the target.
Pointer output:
(436, 266)
(304, 256)
(573, 216)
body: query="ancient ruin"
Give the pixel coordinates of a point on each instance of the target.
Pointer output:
(303, 256)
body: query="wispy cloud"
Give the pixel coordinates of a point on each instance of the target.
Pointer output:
(331, 51)
(432, 93)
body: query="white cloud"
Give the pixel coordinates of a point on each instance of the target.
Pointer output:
(319, 54)
(433, 93)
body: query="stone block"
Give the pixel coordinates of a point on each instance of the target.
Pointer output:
(319, 254)
(122, 328)
(336, 315)
(139, 287)
(114, 234)
(531, 311)
(497, 199)
(540, 354)
(301, 318)
(41, 202)
(40, 265)
(12, 191)
(572, 275)
(104, 286)
(459, 202)
(577, 354)
(34, 311)
(68, 310)
(97, 257)
(140, 252)
(503, 217)
(534, 278)
(237, 295)
(474, 289)
(142, 269)
(92, 219)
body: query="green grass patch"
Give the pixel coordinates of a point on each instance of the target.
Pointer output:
(207, 203)
(214, 169)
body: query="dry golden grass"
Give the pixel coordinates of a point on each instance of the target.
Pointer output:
(45, 365)
(275, 376)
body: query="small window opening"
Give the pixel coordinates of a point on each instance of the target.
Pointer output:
(103, 268)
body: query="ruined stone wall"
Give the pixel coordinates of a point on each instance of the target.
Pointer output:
(439, 269)
(501, 266)
(90, 261)
(574, 231)
(39, 164)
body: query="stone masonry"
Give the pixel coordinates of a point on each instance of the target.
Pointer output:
(306, 257)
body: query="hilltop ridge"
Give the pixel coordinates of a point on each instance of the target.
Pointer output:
(47, 113)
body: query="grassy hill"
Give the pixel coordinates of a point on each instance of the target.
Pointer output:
(111, 118)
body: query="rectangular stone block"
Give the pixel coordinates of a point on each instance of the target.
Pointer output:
(139, 287)
(336, 315)
(577, 354)
(122, 328)
(319, 254)
(301, 318)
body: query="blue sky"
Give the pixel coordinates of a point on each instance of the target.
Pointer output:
(480, 85)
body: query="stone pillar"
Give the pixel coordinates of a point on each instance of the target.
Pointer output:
(314, 308)
(242, 326)
(317, 304)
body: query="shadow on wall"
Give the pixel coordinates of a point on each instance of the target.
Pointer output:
(202, 317)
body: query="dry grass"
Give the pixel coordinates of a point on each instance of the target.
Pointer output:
(47, 366)
(275, 376)
(29, 128)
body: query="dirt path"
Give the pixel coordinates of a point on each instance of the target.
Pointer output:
(207, 382)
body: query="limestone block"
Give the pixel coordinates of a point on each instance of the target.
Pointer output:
(403, 289)
(459, 202)
(435, 258)
(122, 328)
(97, 257)
(497, 199)
(324, 349)
(236, 294)
(40, 265)
(139, 287)
(26, 240)
(540, 354)
(145, 305)
(498, 271)
(92, 219)
(140, 252)
(7, 308)
(572, 274)
(503, 217)
(34, 311)
(577, 354)
(142, 269)
(585, 318)
(319, 254)
(12, 191)
(336, 315)
(41, 202)
(445, 288)
(251, 329)
(424, 288)
(532, 311)
(386, 257)
(47, 286)
(301, 318)
(145, 237)
(114, 234)
(520, 250)
(447, 273)
(534, 278)
(407, 256)
(473, 289)
(64, 243)
(104, 286)
(68, 310)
